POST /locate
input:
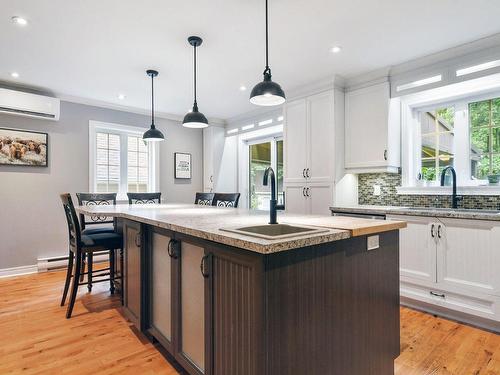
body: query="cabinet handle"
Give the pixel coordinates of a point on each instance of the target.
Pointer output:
(170, 249)
(211, 178)
(203, 266)
(307, 192)
(304, 173)
(385, 154)
(439, 231)
(307, 173)
(304, 191)
(437, 294)
(432, 231)
(137, 239)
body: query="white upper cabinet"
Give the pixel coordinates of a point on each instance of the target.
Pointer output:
(372, 130)
(213, 147)
(309, 139)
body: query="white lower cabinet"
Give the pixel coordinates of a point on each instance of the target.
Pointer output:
(313, 198)
(452, 264)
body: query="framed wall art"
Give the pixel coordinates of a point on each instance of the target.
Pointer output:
(23, 147)
(182, 165)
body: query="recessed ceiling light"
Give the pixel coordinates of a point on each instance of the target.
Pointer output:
(243, 88)
(336, 49)
(121, 96)
(19, 21)
(14, 75)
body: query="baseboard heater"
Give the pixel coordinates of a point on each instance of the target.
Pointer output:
(58, 262)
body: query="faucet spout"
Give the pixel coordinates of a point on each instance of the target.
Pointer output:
(273, 203)
(454, 198)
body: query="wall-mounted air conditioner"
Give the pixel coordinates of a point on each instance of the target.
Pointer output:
(29, 105)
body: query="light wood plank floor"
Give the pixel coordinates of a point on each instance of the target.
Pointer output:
(35, 337)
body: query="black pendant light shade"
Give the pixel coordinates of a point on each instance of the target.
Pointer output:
(153, 134)
(267, 92)
(195, 119)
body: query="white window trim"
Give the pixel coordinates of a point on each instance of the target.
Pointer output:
(411, 106)
(123, 130)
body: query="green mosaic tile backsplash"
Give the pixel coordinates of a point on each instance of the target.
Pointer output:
(388, 197)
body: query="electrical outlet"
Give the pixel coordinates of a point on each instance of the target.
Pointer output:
(372, 242)
(376, 190)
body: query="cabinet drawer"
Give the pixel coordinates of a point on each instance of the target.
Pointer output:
(484, 306)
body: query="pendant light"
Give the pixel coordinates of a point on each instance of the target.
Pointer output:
(267, 92)
(153, 134)
(195, 119)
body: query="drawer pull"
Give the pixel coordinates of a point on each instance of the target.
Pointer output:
(203, 266)
(170, 249)
(437, 294)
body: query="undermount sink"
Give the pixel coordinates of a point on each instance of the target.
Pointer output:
(275, 231)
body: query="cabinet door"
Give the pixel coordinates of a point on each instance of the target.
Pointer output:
(320, 198)
(237, 310)
(295, 196)
(321, 155)
(295, 141)
(417, 249)
(132, 296)
(162, 250)
(191, 346)
(469, 257)
(213, 148)
(366, 127)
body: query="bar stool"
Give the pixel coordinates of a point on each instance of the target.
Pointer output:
(143, 198)
(204, 199)
(100, 224)
(81, 244)
(226, 199)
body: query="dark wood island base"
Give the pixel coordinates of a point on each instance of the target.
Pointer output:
(219, 310)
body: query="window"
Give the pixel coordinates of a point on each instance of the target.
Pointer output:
(464, 134)
(484, 119)
(437, 141)
(264, 154)
(120, 161)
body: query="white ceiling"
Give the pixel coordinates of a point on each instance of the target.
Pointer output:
(95, 49)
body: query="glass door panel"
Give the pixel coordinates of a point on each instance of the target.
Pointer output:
(260, 159)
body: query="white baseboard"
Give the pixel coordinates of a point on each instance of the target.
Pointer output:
(44, 265)
(16, 271)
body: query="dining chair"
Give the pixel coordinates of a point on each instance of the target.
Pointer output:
(143, 198)
(226, 199)
(95, 224)
(81, 244)
(204, 199)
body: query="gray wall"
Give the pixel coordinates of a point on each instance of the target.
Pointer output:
(32, 223)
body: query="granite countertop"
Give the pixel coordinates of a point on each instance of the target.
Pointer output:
(458, 213)
(206, 222)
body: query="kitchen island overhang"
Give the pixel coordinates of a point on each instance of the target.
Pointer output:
(225, 303)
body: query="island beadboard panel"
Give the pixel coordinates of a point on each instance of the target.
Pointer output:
(388, 196)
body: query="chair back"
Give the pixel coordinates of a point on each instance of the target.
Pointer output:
(72, 220)
(226, 199)
(96, 199)
(143, 198)
(204, 199)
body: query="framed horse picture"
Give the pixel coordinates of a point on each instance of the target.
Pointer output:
(23, 147)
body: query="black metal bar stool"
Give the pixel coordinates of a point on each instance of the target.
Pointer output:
(204, 199)
(143, 198)
(226, 199)
(81, 244)
(96, 224)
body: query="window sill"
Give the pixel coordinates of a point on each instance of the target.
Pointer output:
(446, 190)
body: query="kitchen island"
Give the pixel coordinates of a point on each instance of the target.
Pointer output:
(323, 301)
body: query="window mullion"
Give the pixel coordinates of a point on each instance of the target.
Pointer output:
(123, 164)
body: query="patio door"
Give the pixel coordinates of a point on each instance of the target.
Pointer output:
(264, 153)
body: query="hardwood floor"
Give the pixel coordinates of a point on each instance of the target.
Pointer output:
(36, 338)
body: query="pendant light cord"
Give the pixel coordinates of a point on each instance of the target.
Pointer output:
(267, 39)
(194, 69)
(152, 101)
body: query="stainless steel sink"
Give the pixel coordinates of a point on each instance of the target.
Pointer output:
(275, 231)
